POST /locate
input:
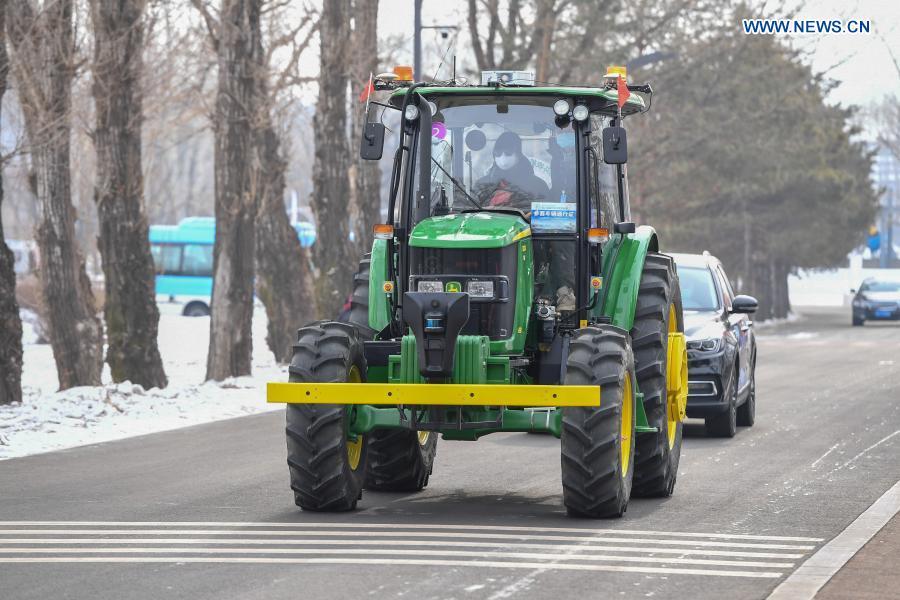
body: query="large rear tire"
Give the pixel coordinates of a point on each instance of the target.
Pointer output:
(400, 460)
(326, 467)
(658, 313)
(598, 442)
(359, 300)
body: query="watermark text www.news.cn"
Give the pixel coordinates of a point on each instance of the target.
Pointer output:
(804, 26)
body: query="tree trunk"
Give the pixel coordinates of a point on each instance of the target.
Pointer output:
(284, 282)
(367, 175)
(333, 253)
(132, 317)
(43, 64)
(782, 303)
(239, 48)
(10, 323)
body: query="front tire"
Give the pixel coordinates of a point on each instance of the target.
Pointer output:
(658, 313)
(725, 424)
(598, 442)
(326, 466)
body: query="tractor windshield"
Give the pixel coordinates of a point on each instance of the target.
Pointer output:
(501, 152)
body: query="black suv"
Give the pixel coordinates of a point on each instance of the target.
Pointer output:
(721, 346)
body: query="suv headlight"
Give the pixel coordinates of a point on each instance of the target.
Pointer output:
(707, 345)
(432, 287)
(480, 289)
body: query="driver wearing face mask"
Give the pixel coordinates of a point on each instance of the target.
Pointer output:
(511, 181)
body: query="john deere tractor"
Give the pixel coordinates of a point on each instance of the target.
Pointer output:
(509, 291)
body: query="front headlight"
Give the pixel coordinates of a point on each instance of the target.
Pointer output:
(432, 287)
(480, 289)
(707, 345)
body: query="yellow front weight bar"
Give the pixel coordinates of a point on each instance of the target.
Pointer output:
(433, 394)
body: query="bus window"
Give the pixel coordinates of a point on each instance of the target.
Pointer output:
(166, 258)
(198, 260)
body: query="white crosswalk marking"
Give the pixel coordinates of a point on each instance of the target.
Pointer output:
(398, 544)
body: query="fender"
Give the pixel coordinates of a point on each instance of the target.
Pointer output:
(379, 309)
(623, 263)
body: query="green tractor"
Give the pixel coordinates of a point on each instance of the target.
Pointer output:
(509, 291)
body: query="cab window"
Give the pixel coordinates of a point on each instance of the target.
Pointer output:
(604, 192)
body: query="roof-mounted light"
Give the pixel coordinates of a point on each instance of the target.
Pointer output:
(411, 113)
(613, 72)
(580, 112)
(403, 72)
(561, 107)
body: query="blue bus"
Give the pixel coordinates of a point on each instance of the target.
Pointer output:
(183, 259)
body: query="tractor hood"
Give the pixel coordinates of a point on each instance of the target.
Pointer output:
(469, 230)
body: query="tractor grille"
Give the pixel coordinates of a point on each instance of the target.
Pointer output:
(493, 318)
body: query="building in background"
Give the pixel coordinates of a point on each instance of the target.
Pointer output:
(886, 177)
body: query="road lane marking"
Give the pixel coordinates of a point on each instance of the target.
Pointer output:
(737, 536)
(391, 534)
(821, 458)
(417, 552)
(805, 582)
(320, 542)
(864, 452)
(393, 562)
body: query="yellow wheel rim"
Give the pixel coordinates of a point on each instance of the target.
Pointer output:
(423, 437)
(676, 377)
(354, 447)
(627, 424)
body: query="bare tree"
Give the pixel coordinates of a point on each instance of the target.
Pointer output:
(132, 317)
(284, 281)
(10, 322)
(509, 41)
(334, 256)
(366, 175)
(43, 65)
(237, 39)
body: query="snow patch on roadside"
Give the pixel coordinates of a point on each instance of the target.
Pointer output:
(47, 419)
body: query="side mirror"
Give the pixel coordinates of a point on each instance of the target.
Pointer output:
(615, 146)
(744, 305)
(371, 146)
(852, 290)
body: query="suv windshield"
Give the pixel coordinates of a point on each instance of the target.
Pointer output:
(698, 292)
(501, 152)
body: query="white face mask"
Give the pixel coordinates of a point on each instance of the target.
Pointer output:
(506, 161)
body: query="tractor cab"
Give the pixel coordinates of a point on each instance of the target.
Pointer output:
(505, 192)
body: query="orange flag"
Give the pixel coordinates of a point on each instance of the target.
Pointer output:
(367, 91)
(624, 94)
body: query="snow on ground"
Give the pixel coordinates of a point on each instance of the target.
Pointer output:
(832, 287)
(51, 420)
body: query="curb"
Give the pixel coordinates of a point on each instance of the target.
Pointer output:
(805, 582)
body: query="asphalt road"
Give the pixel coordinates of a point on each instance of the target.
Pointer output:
(217, 519)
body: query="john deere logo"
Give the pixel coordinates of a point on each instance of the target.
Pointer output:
(454, 287)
